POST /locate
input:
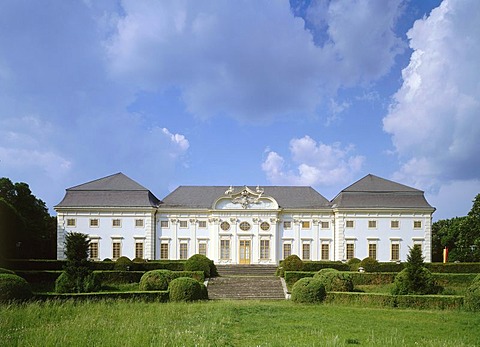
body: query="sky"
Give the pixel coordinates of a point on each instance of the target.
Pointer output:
(317, 93)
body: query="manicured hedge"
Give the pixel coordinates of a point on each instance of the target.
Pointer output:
(315, 266)
(401, 301)
(461, 279)
(13, 288)
(36, 264)
(453, 267)
(358, 278)
(39, 276)
(152, 296)
(116, 277)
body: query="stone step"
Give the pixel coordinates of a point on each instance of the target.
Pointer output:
(245, 287)
(246, 270)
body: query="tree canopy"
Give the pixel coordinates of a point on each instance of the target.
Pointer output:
(26, 228)
(461, 235)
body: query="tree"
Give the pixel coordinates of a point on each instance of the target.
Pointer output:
(461, 235)
(77, 276)
(36, 223)
(415, 278)
(12, 230)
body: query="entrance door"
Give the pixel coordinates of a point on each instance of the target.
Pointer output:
(244, 251)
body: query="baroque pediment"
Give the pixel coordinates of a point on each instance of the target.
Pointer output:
(245, 198)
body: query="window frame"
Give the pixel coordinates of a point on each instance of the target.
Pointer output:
(372, 224)
(322, 251)
(287, 224)
(183, 224)
(139, 225)
(137, 243)
(164, 224)
(306, 250)
(417, 224)
(306, 224)
(202, 244)
(225, 249)
(264, 249)
(225, 226)
(164, 251)
(202, 224)
(347, 251)
(114, 250)
(263, 228)
(284, 249)
(324, 224)
(245, 226)
(392, 226)
(183, 250)
(94, 223)
(397, 245)
(74, 225)
(350, 221)
(116, 221)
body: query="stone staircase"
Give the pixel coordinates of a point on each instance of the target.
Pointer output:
(246, 282)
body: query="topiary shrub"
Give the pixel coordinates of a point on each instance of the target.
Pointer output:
(185, 289)
(415, 278)
(139, 260)
(354, 264)
(369, 264)
(198, 262)
(472, 296)
(308, 290)
(123, 264)
(13, 288)
(156, 280)
(6, 271)
(83, 284)
(203, 292)
(292, 263)
(423, 283)
(327, 269)
(334, 280)
(107, 259)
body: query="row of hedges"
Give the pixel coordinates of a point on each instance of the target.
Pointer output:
(52, 265)
(369, 278)
(428, 302)
(105, 277)
(152, 296)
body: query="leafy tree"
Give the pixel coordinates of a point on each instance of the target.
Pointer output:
(461, 235)
(33, 234)
(12, 230)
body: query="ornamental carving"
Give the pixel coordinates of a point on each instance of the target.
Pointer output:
(246, 197)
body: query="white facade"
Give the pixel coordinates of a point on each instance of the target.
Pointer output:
(246, 226)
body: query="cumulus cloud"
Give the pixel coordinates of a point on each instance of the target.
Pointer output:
(252, 62)
(434, 116)
(315, 164)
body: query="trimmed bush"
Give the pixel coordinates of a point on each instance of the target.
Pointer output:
(83, 284)
(369, 264)
(139, 260)
(308, 290)
(454, 267)
(334, 280)
(123, 264)
(422, 282)
(354, 264)
(116, 277)
(185, 289)
(6, 271)
(291, 277)
(292, 263)
(156, 280)
(13, 288)
(472, 296)
(198, 262)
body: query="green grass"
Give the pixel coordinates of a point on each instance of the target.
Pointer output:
(230, 323)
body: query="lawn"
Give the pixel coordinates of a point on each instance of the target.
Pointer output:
(230, 323)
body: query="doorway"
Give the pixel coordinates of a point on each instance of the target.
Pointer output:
(245, 252)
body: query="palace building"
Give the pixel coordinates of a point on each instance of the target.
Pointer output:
(373, 217)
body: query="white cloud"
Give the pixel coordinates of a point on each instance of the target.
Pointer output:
(255, 61)
(178, 141)
(315, 164)
(434, 117)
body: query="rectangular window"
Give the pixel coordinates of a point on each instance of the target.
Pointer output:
(325, 225)
(183, 250)
(139, 250)
(349, 224)
(287, 225)
(305, 225)
(202, 248)
(264, 249)
(225, 249)
(164, 224)
(287, 250)
(394, 224)
(350, 251)
(94, 223)
(417, 224)
(116, 223)
(93, 250)
(372, 250)
(183, 224)
(306, 251)
(71, 222)
(116, 250)
(372, 224)
(395, 251)
(325, 251)
(139, 223)
(202, 224)
(164, 251)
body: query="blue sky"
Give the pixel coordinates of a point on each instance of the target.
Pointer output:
(172, 93)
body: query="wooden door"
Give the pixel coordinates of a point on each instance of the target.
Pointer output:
(245, 252)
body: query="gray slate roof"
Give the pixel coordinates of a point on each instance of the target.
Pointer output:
(116, 190)
(204, 197)
(376, 192)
